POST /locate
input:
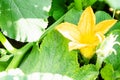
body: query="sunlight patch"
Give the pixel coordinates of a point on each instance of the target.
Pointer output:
(46, 8)
(30, 29)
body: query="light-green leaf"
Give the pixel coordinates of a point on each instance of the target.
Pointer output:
(107, 72)
(53, 56)
(24, 20)
(87, 72)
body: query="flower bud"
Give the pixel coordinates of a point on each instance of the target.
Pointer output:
(106, 47)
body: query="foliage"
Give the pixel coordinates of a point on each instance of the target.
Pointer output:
(45, 53)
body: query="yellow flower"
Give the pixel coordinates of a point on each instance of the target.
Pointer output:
(86, 35)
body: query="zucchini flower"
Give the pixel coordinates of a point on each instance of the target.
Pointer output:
(86, 35)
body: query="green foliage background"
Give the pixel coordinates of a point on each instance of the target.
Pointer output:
(45, 50)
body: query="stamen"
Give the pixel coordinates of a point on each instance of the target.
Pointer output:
(99, 37)
(117, 43)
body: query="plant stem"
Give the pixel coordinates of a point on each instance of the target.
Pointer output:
(7, 44)
(86, 60)
(114, 13)
(18, 56)
(52, 27)
(99, 62)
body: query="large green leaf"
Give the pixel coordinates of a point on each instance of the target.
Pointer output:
(24, 20)
(54, 57)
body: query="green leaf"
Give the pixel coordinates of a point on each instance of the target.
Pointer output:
(58, 8)
(73, 16)
(101, 15)
(114, 3)
(107, 72)
(87, 72)
(53, 56)
(115, 27)
(24, 20)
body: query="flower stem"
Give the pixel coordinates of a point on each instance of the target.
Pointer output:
(114, 13)
(18, 56)
(51, 27)
(7, 44)
(86, 60)
(99, 62)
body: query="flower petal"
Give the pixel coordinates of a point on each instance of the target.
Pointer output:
(88, 51)
(104, 26)
(69, 31)
(87, 21)
(75, 45)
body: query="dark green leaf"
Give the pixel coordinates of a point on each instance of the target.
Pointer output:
(58, 8)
